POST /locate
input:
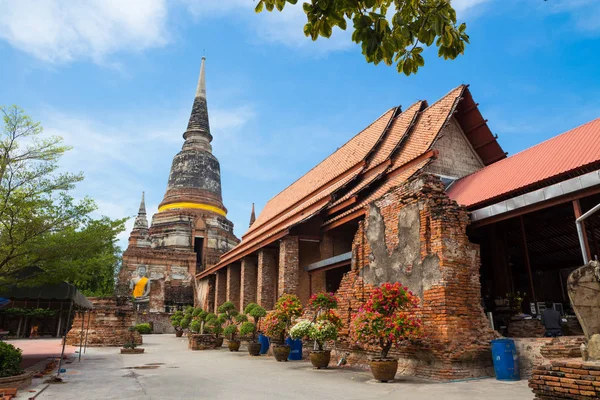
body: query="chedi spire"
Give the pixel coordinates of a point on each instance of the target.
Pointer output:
(197, 135)
(141, 222)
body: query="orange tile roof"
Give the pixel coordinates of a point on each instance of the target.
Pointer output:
(560, 155)
(351, 153)
(389, 183)
(385, 154)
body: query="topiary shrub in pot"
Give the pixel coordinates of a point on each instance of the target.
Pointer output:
(279, 321)
(214, 324)
(130, 347)
(232, 319)
(176, 323)
(386, 319)
(248, 329)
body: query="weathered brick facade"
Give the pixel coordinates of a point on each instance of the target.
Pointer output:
(220, 288)
(233, 284)
(566, 379)
(266, 278)
(416, 235)
(108, 325)
(248, 281)
(289, 265)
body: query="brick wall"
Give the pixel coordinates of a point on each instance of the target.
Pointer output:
(233, 284)
(109, 324)
(289, 264)
(249, 271)
(220, 288)
(266, 278)
(160, 322)
(416, 235)
(566, 379)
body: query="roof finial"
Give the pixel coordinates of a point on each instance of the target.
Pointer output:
(252, 216)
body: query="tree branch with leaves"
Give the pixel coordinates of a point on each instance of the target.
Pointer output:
(389, 31)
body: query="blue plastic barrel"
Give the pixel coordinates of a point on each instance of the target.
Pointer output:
(264, 343)
(295, 349)
(506, 360)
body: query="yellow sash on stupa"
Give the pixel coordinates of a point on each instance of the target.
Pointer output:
(138, 290)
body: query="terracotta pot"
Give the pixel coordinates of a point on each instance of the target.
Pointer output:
(137, 350)
(384, 369)
(254, 349)
(218, 342)
(17, 381)
(320, 359)
(178, 333)
(281, 352)
(234, 345)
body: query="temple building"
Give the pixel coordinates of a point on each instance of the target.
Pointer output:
(426, 196)
(190, 230)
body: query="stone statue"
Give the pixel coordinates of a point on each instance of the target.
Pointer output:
(140, 286)
(583, 286)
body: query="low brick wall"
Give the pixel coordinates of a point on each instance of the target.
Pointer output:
(566, 379)
(108, 326)
(537, 351)
(160, 322)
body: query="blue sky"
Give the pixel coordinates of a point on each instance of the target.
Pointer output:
(116, 79)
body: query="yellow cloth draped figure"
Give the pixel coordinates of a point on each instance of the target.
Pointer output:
(141, 286)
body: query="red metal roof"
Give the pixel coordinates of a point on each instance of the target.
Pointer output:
(560, 155)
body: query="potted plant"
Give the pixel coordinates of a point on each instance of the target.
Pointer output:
(176, 323)
(279, 321)
(215, 324)
(515, 302)
(385, 320)
(11, 374)
(325, 327)
(248, 329)
(130, 347)
(232, 319)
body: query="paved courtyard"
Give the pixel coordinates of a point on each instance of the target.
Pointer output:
(169, 370)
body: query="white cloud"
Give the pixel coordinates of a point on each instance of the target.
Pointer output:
(122, 158)
(464, 6)
(584, 14)
(61, 31)
(284, 28)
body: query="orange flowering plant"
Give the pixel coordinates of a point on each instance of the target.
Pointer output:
(387, 318)
(278, 322)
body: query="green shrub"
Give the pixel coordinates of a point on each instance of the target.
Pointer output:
(185, 322)
(143, 329)
(247, 330)
(10, 360)
(230, 331)
(195, 326)
(176, 320)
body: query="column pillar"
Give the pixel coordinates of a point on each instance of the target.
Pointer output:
(233, 284)
(248, 281)
(210, 295)
(289, 265)
(266, 278)
(220, 287)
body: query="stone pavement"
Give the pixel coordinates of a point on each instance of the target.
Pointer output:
(168, 370)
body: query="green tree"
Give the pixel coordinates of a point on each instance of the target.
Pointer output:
(40, 223)
(392, 31)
